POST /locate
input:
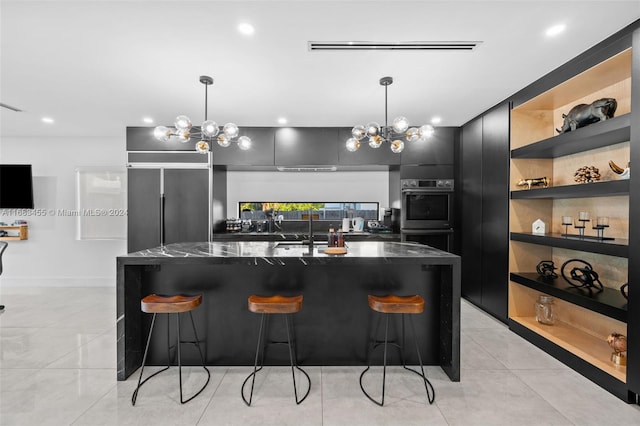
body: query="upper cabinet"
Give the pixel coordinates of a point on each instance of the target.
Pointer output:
(260, 153)
(436, 150)
(141, 139)
(306, 146)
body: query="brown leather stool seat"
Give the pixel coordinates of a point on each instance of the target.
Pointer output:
(274, 305)
(173, 304)
(393, 304)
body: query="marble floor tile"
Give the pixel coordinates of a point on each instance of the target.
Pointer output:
(97, 353)
(473, 356)
(29, 348)
(158, 401)
(54, 397)
(473, 317)
(580, 400)
(405, 403)
(494, 398)
(273, 399)
(512, 350)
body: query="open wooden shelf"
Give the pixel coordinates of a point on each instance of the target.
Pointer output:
(596, 135)
(609, 188)
(589, 348)
(23, 232)
(609, 302)
(618, 247)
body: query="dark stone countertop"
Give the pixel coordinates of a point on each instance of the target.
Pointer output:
(288, 253)
(300, 236)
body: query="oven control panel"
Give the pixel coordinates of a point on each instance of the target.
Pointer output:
(427, 184)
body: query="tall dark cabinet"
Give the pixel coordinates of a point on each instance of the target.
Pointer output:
(484, 172)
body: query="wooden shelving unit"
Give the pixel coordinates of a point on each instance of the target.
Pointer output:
(21, 234)
(585, 317)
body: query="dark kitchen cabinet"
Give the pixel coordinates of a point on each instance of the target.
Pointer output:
(365, 155)
(438, 149)
(471, 210)
(260, 153)
(306, 146)
(186, 207)
(485, 210)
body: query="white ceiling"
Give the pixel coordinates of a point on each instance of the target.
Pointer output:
(99, 66)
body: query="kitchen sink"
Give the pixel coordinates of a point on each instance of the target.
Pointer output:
(293, 244)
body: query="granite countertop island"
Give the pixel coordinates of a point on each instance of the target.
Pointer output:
(334, 324)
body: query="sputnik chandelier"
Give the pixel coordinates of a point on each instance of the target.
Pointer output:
(392, 134)
(207, 132)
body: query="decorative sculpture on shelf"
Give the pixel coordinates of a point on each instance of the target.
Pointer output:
(529, 182)
(624, 289)
(624, 173)
(585, 276)
(587, 174)
(546, 270)
(618, 343)
(582, 115)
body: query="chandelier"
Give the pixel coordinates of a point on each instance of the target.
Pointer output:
(391, 134)
(207, 132)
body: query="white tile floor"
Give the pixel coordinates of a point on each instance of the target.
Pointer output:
(57, 366)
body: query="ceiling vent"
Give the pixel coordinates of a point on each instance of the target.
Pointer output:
(389, 45)
(306, 169)
(12, 108)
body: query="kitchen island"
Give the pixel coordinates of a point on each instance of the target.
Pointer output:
(335, 322)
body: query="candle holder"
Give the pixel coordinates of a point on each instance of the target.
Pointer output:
(566, 221)
(580, 225)
(602, 222)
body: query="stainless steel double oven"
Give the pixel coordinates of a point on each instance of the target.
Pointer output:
(427, 212)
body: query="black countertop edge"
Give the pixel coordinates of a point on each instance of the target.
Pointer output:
(265, 252)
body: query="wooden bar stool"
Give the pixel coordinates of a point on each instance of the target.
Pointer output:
(393, 304)
(176, 304)
(275, 305)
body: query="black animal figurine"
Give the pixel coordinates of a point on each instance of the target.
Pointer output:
(583, 114)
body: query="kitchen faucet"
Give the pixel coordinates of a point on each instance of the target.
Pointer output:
(310, 229)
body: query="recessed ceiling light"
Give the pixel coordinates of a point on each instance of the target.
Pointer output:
(148, 120)
(282, 120)
(436, 120)
(555, 30)
(47, 120)
(246, 28)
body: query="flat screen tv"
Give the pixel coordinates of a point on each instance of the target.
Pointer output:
(16, 186)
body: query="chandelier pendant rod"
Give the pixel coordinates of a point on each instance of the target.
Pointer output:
(385, 133)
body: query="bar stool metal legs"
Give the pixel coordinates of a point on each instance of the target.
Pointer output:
(141, 382)
(272, 305)
(376, 343)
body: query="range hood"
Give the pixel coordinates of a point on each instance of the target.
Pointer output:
(307, 168)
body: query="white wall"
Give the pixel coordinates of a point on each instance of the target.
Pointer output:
(52, 256)
(366, 186)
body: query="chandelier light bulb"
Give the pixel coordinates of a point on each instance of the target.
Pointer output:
(397, 146)
(358, 132)
(210, 128)
(413, 134)
(162, 133)
(244, 142)
(223, 141)
(182, 122)
(373, 129)
(202, 147)
(353, 144)
(400, 124)
(375, 141)
(426, 131)
(184, 135)
(230, 130)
